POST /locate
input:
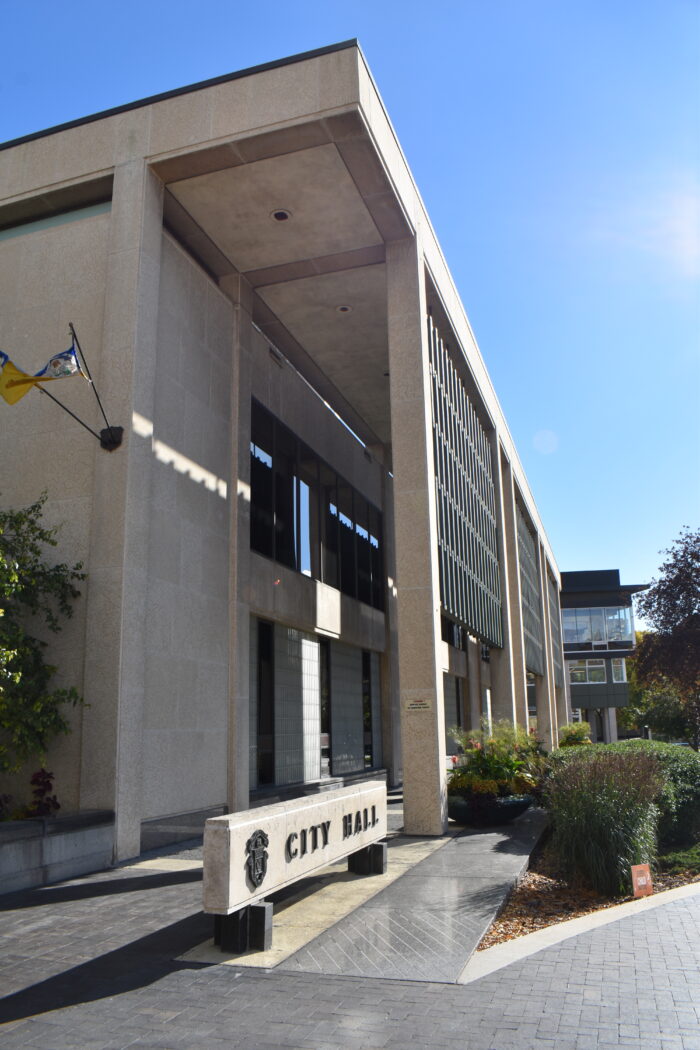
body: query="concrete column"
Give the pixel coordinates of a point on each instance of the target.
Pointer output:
(562, 693)
(112, 758)
(545, 688)
(239, 292)
(501, 660)
(389, 661)
(416, 542)
(609, 725)
(511, 703)
(565, 711)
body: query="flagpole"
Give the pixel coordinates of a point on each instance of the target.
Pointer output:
(66, 409)
(89, 376)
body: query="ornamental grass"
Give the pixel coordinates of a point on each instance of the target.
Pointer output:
(604, 817)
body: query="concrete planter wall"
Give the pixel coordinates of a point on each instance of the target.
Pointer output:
(42, 850)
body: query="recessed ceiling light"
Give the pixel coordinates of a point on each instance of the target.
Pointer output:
(344, 309)
(280, 214)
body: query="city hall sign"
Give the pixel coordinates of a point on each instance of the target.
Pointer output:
(251, 854)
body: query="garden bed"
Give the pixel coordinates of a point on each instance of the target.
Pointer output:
(543, 898)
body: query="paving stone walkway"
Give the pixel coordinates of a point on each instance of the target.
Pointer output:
(95, 964)
(426, 925)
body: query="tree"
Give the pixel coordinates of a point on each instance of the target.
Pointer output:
(669, 655)
(32, 594)
(658, 707)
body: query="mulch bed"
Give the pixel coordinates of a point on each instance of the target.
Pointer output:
(543, 898)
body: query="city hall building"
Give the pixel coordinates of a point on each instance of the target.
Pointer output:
(315, 549)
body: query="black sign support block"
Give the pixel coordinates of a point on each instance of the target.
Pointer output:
(248, 928)
(369, 861)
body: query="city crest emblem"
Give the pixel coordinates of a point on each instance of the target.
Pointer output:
(257, 856)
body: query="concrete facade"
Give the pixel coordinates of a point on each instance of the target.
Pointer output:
(256, 244)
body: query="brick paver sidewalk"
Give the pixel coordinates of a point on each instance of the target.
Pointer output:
(93, 964)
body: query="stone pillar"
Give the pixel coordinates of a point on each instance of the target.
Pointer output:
(562, 692)
(609, 725)
(565, 712)
(509, 695)
(238, 290)
(416, 544)
(545, 688)
(389, 661)
(501, 660)
(112, 758)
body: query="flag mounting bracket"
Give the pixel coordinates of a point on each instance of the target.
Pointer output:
(111, 438)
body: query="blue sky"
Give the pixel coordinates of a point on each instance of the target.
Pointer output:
(556, 144)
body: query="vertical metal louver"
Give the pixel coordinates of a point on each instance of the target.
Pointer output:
(470, 590)
(530, 597)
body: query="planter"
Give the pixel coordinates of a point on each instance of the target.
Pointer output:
(486, 812)
(48, 849)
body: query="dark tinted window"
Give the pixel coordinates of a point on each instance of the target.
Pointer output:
(307, 517)
(261, 482)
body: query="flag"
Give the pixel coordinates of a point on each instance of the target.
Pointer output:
(60, 366)
(14, 383)
(10, 388)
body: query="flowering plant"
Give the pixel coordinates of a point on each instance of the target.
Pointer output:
(495, 762)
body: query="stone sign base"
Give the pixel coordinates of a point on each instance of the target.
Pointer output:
(252, 854)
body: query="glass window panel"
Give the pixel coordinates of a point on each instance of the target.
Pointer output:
(377, 557)
(568, 617)
(597, 626)
(577, 672)
(346, 519)
(364, 551)
(627, 628)
(596, 671)
(309, 538)
(266, 704)
(328, 486)
(261, 481)
(614, 625)
(619, 626)
(285, 462)
(583, 626)
(619, 670)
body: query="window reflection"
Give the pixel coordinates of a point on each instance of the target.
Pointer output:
(307, 517)
(286, 490)
(261, 483)
(597, 628)
(587, 672)
(309, 537)
(346, 514)
(329, 522)
(619, 670)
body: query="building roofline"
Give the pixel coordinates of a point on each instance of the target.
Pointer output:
(175, 92)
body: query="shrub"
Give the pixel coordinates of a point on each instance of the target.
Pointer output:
(498, 761)
(574, 733)
(43, 803)
(604, 816)
(679, 802)
(34, 596)
(682, 862)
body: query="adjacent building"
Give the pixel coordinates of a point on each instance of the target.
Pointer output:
(315, 549)
(598, 622)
